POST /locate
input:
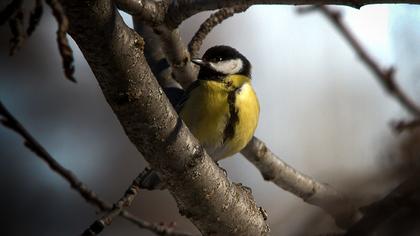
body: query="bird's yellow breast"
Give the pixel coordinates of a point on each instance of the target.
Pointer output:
(207, 113)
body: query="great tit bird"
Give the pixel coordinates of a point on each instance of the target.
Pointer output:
(220, 108)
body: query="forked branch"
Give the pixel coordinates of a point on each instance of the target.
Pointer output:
(202, 191)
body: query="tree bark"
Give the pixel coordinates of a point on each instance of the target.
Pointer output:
(201, 189)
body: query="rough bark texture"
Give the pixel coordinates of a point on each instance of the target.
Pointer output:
(154, 54)
(201, 189)
(177, 55)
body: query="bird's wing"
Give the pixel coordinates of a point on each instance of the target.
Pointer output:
(174, 94)
(178, 96)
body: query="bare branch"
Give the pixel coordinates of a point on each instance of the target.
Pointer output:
(150, 11)
(200, 188)
(205, 28)
(35, 17)
(309, 190)
(14, 13)
(385, 77)
(158, 229)
(7, 119)
(63, 44)
(31, 143)
(274, 169)
(154, 54)
(124, 202)
(163, 43)
(17, 29)
(304, 187)
(177, 55)
(173, 12)
(405, 195)
(10, 10)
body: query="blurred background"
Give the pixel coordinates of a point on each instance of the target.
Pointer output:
(322, 111)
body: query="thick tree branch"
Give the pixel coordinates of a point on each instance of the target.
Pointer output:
(7, 119)
(150, 11)
(274, 169)
(173, 12)
(168, 40)
(177, 55)
(154, 54)
(202, 191)
(385, 77)
(309, 190)
(205, 28)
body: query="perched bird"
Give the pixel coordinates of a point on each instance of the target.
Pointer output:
(220, 108)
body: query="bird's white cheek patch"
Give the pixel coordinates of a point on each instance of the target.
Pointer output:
(228, 67)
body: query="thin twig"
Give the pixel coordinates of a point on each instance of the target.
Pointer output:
(401, 126)
(17, 29)
(7, 119)
(124, 202)
(308, 189)
(13, 12)
(7, 12)
(205, 28)
(30, 142)
(385, 76)
(158, 229)
(35, 17)
(63, 44)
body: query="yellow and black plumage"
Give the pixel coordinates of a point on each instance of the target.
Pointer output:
(221, 108)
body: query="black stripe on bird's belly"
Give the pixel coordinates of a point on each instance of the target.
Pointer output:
(229, 131)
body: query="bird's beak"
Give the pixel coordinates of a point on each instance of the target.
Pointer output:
(200, 62)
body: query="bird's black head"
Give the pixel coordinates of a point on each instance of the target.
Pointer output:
(220, 61)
